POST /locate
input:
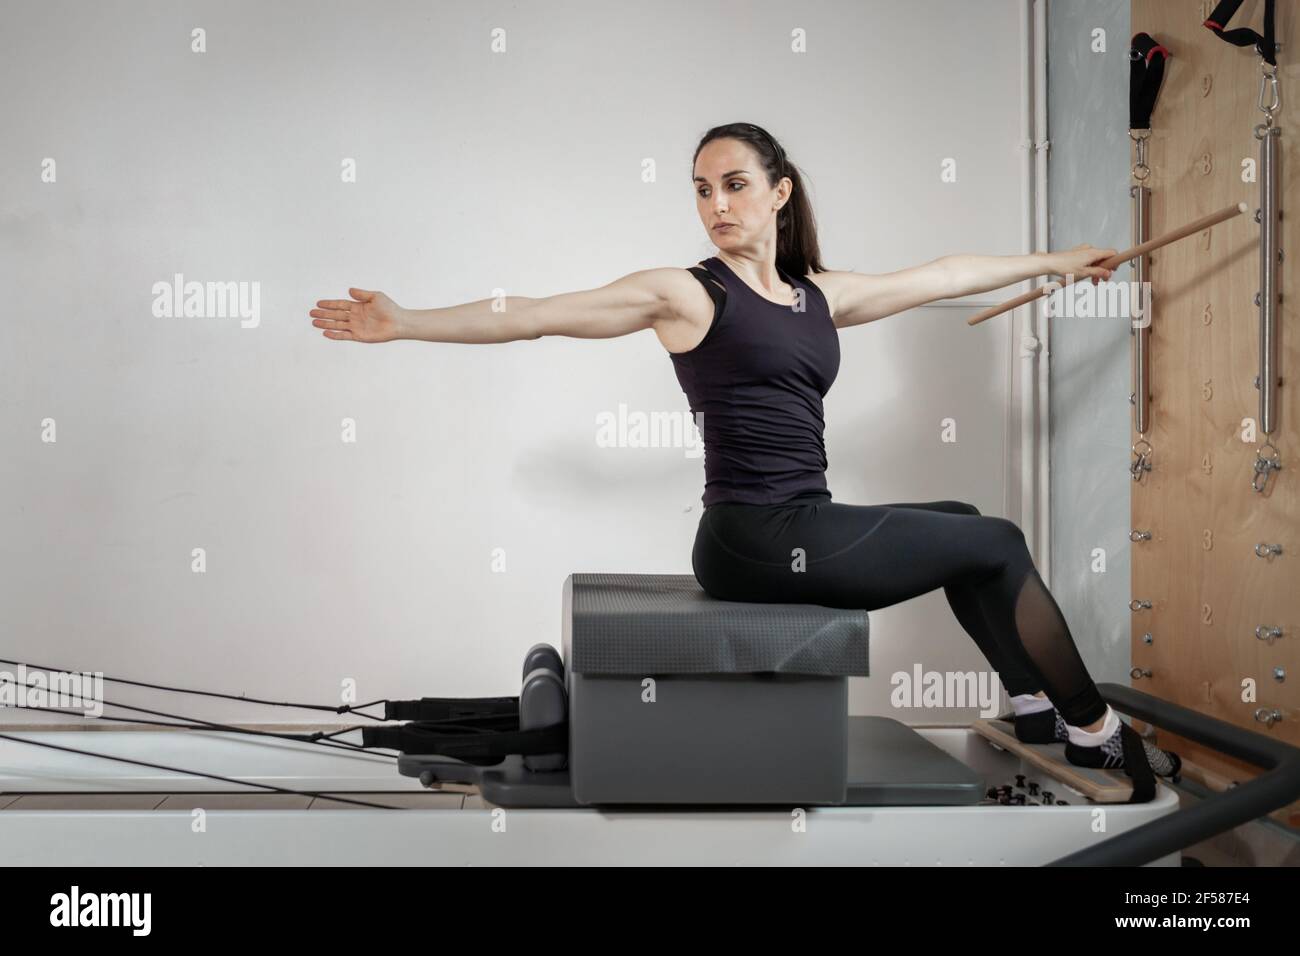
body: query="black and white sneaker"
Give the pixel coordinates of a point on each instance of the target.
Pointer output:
(1044, 727)
(1125, 750)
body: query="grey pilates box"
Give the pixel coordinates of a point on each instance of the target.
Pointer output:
(676, 697)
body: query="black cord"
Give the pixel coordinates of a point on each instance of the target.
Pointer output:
(319, 738)
(343, 709)
(196, 773)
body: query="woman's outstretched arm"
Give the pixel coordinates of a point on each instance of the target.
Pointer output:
(981, 273)
(856, 298)
(640, 300)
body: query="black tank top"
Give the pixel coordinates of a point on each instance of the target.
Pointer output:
(755, 384)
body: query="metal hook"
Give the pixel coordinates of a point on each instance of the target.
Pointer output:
(1140, 169)
(1142, 463)
(1265, 464)
(1268, 79)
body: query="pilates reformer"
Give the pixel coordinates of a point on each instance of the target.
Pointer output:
(676, 728)
(671, 698)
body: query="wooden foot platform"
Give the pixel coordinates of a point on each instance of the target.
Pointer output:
(1100, 786)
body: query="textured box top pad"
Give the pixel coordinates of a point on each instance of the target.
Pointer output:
(646, 624)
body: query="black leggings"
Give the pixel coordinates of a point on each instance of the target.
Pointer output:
(815, 551)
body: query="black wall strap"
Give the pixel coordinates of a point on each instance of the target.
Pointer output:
(1264, 45)
(1146, 72)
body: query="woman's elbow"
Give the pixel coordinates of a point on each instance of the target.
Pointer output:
(521, 320)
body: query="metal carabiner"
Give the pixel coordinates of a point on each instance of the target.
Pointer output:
(1264, 465)
(1267, 80)
(1142, 463)
(1141, 171)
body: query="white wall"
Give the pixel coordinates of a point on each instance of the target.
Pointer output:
(477, 171)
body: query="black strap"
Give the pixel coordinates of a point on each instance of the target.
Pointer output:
(1146, 71)
(1137, 766)
(717, 291)
(483, 748)
(450, 708)
(1264, 45)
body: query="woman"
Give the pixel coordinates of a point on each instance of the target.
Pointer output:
(753, 333)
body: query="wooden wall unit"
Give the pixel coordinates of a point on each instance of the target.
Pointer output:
(1208, 589)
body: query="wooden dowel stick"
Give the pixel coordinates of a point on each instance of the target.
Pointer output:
(1227, 212)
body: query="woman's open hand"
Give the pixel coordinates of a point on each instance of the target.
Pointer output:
(1078, 262)
(370, 317)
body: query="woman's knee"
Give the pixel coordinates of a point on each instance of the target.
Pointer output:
(1005, 529)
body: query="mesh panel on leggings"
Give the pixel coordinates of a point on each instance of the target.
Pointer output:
(1051, 649)
(642, 624)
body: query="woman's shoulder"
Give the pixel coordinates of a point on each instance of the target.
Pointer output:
(826, 280)
(827, 284)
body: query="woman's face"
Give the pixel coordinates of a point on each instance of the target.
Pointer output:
(735, 203)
